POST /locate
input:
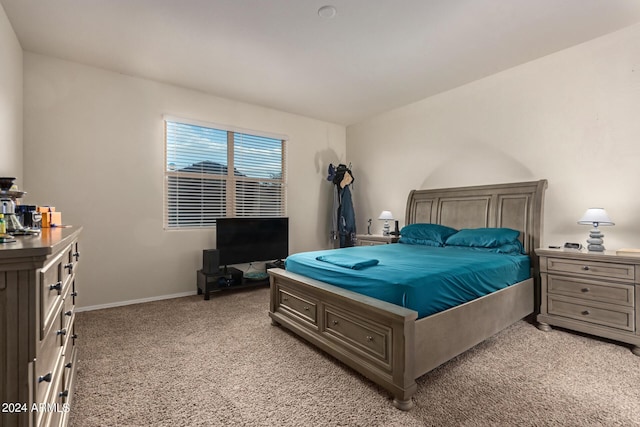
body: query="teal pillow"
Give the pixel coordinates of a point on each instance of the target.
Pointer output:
(427, 232)
(424, 242)
(514, 248)
(483, 237)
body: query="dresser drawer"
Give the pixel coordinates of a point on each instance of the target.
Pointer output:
(55, 402)
(48, 368)
(72, 257)
(46, 395)
(614, 293)
(50, 347)
(591, 268)
(68, 342)
(69, 368)
(298, 305)
(609, 315)
(51, 280)
(366, 338)
(68, 307)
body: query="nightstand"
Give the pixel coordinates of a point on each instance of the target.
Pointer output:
(375, 239)
(594, 293)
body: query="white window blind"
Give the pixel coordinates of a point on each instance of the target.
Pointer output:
(214, 173)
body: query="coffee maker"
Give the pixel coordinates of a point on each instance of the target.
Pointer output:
(8, 198)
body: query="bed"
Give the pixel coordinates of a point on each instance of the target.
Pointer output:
(392, 343)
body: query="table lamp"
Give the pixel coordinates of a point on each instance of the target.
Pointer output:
(595, 217)
(386, 216)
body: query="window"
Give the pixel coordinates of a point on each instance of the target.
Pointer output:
(213, 172)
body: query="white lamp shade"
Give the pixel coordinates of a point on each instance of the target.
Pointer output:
(595, 216)
(386, 215)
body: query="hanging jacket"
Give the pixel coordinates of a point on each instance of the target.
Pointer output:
(343, 225)
(346, 218)
(335, 212)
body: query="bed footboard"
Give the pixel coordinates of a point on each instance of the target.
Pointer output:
(373, 337)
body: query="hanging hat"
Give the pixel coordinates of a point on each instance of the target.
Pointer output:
(332, 172)
(339, 174)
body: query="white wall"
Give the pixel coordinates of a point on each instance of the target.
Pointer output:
(94, 149)
(10, 101)
(572, 117)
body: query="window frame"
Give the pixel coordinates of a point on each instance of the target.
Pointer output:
(230, 179)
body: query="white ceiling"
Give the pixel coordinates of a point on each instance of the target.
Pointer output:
(374, 55)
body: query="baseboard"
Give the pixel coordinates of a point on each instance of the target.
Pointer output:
(134, 301)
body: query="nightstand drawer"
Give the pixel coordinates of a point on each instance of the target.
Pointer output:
(599, 313)
(614, 293)
(364, 242)
(375, 239)
(592, 268)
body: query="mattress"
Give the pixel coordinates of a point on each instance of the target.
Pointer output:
(422, 278)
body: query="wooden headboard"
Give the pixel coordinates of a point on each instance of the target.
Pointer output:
(517, 205)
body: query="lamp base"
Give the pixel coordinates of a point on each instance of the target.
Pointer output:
(595, 241)
(386, 229)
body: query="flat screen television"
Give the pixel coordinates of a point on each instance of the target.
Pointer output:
(243, 240)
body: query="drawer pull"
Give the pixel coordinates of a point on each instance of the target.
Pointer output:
(585, 267)
(56, 286)
(46, 378)
(68, 365)
(63, 393)
(585, 290)
(335, 322)
(74, 336)
(69, 266)
(74, 294)
(61, 332)
(285, 299)
(369, 338)
(68, 313)
(76, 255)
(586, 313)
(306, 308)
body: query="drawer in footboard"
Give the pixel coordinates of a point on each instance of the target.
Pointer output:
(362, 337)
(298, 305)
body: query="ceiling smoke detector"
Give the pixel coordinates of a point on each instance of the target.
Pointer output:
(327, 11)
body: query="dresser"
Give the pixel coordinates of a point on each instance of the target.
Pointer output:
(375, 239)
(590, 292)
(37, 340)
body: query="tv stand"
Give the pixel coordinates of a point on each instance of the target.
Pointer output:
(224, 279)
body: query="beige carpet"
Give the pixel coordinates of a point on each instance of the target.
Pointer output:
(190, 362)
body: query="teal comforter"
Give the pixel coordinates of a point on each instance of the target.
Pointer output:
(423, 278)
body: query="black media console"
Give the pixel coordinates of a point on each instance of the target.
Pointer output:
(229, 278)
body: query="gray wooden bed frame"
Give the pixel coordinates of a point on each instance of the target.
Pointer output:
(387, 343)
